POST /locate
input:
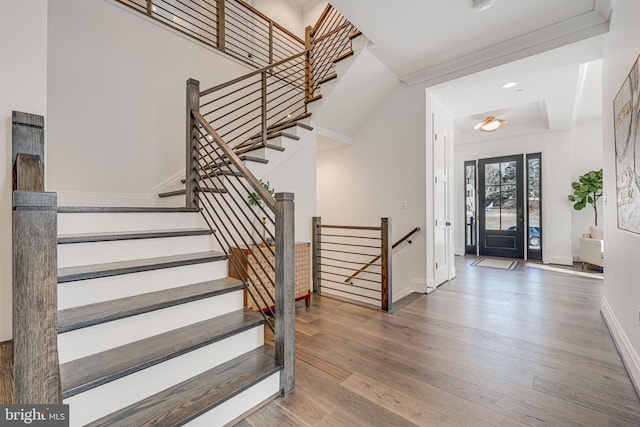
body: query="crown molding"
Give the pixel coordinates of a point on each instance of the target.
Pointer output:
(569, 31)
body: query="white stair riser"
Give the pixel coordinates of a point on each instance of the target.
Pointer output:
(105, 399)
(78, 223)
(83, 292)
(94, 339)
(76, 254)
(238, 405)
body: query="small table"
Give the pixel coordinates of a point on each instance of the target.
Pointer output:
(250, 265)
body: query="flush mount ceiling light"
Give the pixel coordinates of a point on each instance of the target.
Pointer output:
(490, 124)
(509, 85)
(481, 5)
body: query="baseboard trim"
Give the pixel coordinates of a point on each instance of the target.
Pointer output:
(627, 353)
(405, 293)
(431, 285)
(562, 260)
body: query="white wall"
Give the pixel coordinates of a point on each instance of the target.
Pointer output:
(312, 12)
(362, 182)
(586, 155)
(621, 284)
(556, 185)
(23, 85)
(284, 13)
(297, 174)
(117, 101)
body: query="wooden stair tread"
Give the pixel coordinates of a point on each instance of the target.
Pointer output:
(106, 311)
(251, 148)
(315, 98)
(253, 159)
(227, 163)
(93, 271)
(183, 191)
(215, 174)
(130, 235)
(342, 56)
(193, 397)
(123, 209)
(92, 371)
(272, 135)
(328, 78)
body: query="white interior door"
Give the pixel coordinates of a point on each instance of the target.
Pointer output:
(441, 209)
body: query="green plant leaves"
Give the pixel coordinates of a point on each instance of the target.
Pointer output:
(587, 190)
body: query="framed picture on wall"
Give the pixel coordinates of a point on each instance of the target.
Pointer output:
(626, 109)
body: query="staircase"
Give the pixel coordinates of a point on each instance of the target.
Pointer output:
(151, 331)
(151, 328)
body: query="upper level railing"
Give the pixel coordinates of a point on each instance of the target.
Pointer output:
(327, 41)
(232, 26)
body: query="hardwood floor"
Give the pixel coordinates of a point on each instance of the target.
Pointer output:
(6, 373)
(490, 348)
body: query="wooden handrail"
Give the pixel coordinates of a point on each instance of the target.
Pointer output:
(251, 74)
(266, 18)
(321, 19)
(235, 160)
(367, 265)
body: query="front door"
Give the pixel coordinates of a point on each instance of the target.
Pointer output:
(501, 207)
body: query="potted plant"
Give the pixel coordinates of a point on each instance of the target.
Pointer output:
(586, 191)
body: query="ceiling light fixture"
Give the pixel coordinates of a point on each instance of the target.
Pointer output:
(509, 85)
(490, 124)
(481, 5)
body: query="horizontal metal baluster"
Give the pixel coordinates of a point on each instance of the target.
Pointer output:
(350, 244)
(377, 282)
(174, 14)
(346, 252)
(348, 268)
(347, 292)
(349, 262)
(351, 236)
(229, 94)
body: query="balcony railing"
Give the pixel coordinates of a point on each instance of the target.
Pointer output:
(232, 26)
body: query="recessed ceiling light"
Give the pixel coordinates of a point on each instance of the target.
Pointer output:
(481, 5)
(509, 85)
(490, 124)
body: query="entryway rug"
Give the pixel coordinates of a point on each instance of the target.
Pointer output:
(504, 264)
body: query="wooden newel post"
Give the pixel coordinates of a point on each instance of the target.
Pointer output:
(315, 254)
(285, 333)
(385, 226)
(35, 303)
(35, 271)
(191, 168)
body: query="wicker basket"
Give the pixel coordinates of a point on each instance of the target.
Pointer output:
(257, 274)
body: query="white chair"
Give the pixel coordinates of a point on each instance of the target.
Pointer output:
(592, 248)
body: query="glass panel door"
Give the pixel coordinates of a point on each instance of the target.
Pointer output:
(470, 230)
(501, 213)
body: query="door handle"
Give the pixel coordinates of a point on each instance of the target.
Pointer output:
(447, 223)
